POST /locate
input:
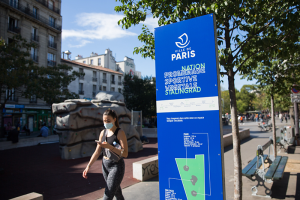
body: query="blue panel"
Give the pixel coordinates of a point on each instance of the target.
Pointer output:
(188, 116)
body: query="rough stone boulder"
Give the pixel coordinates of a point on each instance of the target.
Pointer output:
(79, 123)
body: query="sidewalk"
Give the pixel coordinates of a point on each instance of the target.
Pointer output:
(40, 169)
(287, 188)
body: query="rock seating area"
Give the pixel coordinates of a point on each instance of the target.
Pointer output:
(79, 123)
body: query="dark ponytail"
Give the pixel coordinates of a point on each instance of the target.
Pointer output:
(114, 115)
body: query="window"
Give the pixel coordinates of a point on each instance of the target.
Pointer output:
(13, 25)
(81, 89)
(11, 95)
(84, 62)
(34, 55)
(92, 62)
(51, 59)
(33, 99)
(100, 88)
(113, 79)
(119, 78)
(95, 76)
(104, 88)
(51, 21)
(50, 5)
(99, 61)
(120, 90)
(14, 3)
(81, 71)
(104, 75)
(94, 88)
(113, 89)
(34, 12)
(34, 34)
(51, 41)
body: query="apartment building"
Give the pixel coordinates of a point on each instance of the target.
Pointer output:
(96, 79)
(108, 61)
(39, 21)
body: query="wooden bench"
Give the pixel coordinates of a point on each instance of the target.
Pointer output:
(256, 171)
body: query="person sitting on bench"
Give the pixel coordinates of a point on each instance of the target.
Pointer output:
(44, 131)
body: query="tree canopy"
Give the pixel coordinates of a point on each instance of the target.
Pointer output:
(140, 94)
(19, 73)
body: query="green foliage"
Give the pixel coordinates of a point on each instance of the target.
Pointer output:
(225, 102)
(140, 94)
(19, 72)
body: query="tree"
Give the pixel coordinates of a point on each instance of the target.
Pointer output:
(245, 98)
(245, 27)
(225, 101)
(20, 75)
(274, 77)
(140, 94)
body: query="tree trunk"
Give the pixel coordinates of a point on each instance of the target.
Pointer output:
(273, 125)
(237, 161)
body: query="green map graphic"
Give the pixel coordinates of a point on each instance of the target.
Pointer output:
(192, 176)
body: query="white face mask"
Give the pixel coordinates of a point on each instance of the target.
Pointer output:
(108, 125)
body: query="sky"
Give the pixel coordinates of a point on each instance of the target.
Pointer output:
(92, 26)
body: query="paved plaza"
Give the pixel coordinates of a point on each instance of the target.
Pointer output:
(40, 169)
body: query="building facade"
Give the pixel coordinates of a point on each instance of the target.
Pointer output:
(39, 21)
(108, 61)
(96, 79)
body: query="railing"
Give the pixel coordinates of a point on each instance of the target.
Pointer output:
(34, 37)
(81, 78)
(113, 82)
(119, 83)
(32, 101)
(52, 45)
(29, 12)
(104, 81)
(81, 92)
(15, 99)
(34, 57)
(45, 3)
(14, 29)
(94, 79)
(51, 63)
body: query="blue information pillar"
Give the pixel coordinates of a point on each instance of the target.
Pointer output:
(189, 124)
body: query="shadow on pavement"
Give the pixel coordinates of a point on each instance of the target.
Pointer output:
(279, 188)
(291, 150)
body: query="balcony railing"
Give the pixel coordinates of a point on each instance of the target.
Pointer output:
(52, 45)
(14, 29)
(34, 57)
(113, 82)
(32, 101)
(81, 78)
(119, 83)
(51, 63)
(94, 79)
(45, 3)
(30, 12)
(81, 92)
(14, 99)
(104, 81)
(34, 37)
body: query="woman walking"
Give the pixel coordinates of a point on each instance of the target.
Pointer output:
(113, 143)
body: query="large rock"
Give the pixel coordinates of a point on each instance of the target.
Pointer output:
(79, 123)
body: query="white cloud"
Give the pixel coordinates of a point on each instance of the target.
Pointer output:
(81, 43)
(151, 23)
(97, 26)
